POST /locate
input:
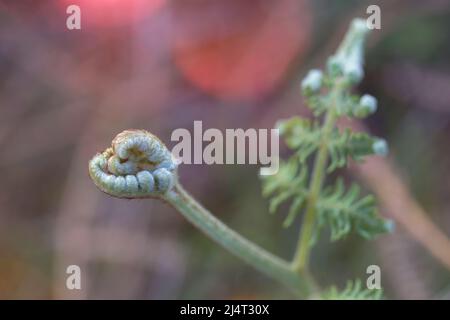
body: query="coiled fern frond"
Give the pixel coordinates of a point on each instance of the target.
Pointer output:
(137, 165)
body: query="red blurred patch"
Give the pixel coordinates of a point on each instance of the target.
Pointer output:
(113, 13)
(239, 49)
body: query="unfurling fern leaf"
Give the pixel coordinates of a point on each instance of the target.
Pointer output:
(345, 211)
(341, 210)
(353, 291)
(305, 136)
(348, 144)
(302, 183)
(289, 183)
(301, 135)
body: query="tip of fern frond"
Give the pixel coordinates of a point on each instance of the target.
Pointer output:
(390, 226)
(380, 147)
(359, 25)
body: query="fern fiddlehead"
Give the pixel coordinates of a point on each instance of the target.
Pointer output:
(137, 165)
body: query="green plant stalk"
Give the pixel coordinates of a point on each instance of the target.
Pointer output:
(254, 255)
(301, 258)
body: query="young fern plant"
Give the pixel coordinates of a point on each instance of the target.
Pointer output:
(329, 96)
(139, 165)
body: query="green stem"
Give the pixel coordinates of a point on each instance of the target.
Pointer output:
(254, 255)
(301, 258)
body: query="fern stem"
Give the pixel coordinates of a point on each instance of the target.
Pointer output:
(246, 250)
(301, 258)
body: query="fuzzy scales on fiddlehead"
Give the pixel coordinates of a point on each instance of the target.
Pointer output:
(137, 165)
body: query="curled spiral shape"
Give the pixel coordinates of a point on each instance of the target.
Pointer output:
(137, 165)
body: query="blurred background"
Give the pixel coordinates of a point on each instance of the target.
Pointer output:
(161, 64)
